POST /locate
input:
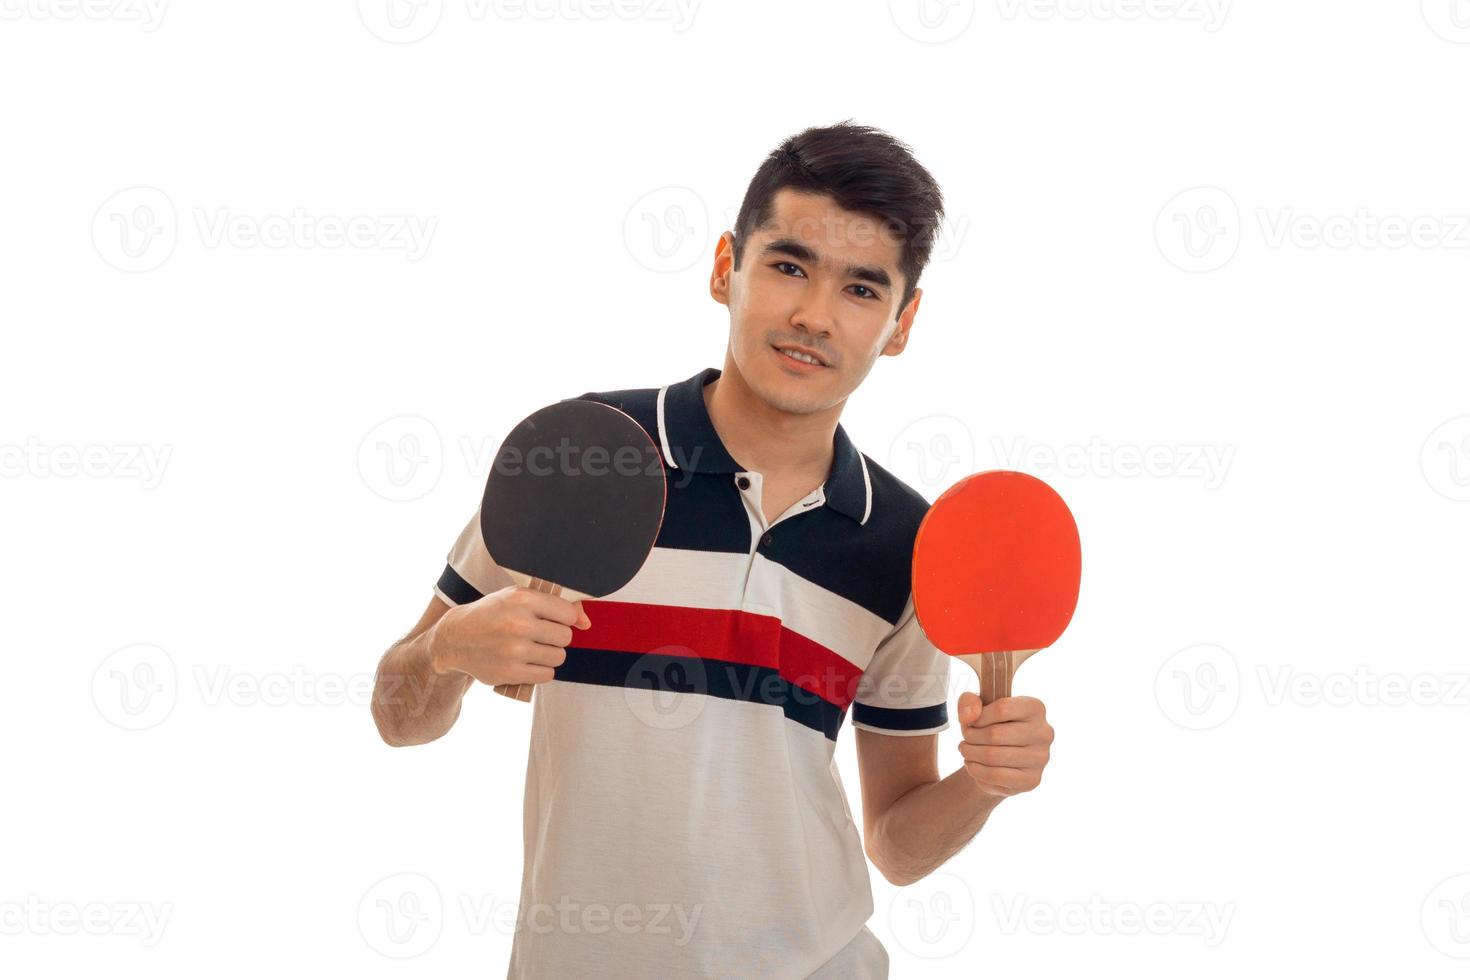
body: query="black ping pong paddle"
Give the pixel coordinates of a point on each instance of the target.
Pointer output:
(573, 503)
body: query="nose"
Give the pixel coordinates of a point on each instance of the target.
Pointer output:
(813, 317)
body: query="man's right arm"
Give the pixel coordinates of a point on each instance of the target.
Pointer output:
(412, 702)
(513, 636)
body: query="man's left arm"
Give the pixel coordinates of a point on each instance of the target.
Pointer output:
(914, 821)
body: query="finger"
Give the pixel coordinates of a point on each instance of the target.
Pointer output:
(968, 707)
(549, 632)
(1004, 756)
(543, 654)
(1010, 733)
(1011, 709)
(553, 607)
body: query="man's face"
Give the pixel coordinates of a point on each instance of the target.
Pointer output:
(817, 278)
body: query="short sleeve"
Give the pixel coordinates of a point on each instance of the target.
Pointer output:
(905, 688)
(469, 572)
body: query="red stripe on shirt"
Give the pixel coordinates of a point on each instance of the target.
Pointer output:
(730, 635)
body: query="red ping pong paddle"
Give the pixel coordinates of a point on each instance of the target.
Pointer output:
(997, 566)
(573, 503)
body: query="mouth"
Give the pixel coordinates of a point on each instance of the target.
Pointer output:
(800, 355)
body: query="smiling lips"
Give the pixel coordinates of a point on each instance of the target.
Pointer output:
(800, 354)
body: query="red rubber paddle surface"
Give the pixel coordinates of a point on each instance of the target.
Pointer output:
(997, 565)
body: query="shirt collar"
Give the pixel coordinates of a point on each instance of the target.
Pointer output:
(688, 440)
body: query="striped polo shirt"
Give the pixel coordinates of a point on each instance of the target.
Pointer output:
(683, 812)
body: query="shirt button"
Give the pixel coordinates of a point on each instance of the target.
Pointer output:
(743, 483)
(766, 540)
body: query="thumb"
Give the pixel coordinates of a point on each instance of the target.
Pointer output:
(968, 707)
(582, 621)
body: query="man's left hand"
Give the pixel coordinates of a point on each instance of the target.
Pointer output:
(1007, 743)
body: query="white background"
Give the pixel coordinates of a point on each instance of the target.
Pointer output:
(1179, 232)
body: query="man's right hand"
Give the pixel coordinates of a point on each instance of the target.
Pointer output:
(513, 636)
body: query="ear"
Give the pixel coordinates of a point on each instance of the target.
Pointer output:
(719, 278)
(900, 337)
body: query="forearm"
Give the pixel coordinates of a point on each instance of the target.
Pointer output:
(412, 702)
(928, 825)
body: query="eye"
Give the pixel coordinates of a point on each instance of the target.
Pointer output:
(867, 290)
(793, 265)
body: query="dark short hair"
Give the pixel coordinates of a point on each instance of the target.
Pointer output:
(864, 170)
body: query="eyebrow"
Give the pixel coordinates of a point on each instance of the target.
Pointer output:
(795, 249)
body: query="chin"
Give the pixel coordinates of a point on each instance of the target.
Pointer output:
(792, 395)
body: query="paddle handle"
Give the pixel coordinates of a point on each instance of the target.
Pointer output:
(995, 671)
(522, 692)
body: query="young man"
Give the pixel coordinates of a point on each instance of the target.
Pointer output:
(683, 814)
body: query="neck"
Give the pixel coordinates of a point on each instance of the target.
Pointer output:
(763, 438)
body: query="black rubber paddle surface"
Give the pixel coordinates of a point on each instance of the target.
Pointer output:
(575, 497)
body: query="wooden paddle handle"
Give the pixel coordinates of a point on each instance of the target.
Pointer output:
(995, 671)
(522, 692)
